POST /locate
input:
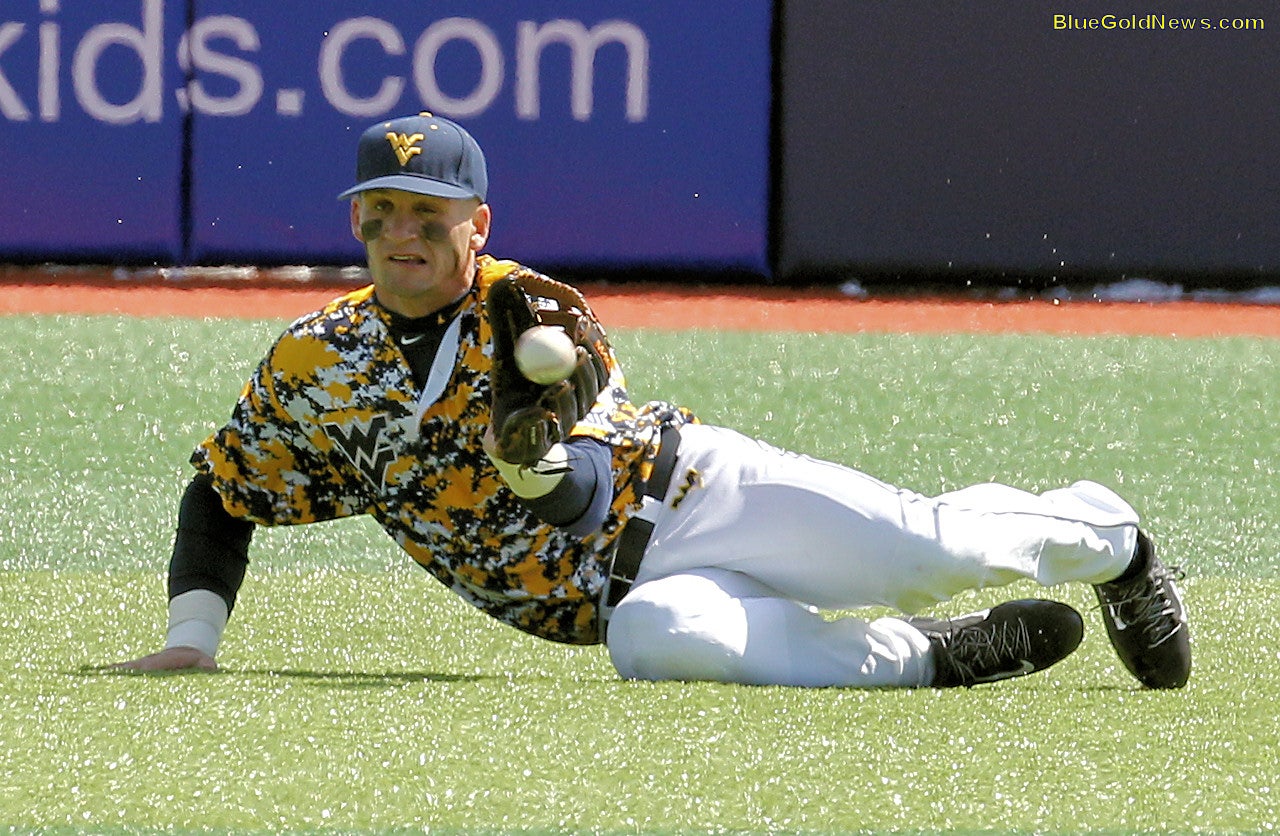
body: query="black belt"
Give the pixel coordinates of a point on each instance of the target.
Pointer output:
(635, 536)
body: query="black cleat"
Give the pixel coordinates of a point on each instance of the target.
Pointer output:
(1147, 623)
(1013, 639)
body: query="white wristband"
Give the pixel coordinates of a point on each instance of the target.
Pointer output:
(538, 479)
(197, 619)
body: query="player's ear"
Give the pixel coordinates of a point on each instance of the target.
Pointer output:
(355, 218)
(481, 222)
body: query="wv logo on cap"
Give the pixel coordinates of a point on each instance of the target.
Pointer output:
(405, 145)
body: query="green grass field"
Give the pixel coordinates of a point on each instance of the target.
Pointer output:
(359, 696)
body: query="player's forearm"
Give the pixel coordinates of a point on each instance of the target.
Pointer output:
(210, 554)
(570, 488)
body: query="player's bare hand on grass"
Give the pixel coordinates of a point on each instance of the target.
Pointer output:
(172, 659)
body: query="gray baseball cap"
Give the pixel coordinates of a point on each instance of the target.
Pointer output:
(424, 154)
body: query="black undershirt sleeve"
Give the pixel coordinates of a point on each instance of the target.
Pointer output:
(211, 548)
(581, 501)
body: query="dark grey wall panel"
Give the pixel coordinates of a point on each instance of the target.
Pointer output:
(960, 138)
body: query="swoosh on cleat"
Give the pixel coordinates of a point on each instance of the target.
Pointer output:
(1026, 668)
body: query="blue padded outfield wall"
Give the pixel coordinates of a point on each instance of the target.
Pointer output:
(792, 140)
(619, 133)
(91, 150)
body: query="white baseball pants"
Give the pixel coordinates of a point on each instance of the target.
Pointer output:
(752, 542)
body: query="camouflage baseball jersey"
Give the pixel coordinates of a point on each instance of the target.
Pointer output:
(332, 425)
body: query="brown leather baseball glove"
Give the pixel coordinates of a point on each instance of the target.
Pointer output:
(528, 417)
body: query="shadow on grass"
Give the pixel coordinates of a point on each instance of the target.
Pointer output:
(320, 679)
(361, 679)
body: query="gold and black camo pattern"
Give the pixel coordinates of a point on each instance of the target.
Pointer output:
(329, 427)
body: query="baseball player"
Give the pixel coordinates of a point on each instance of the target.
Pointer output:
(572, 513)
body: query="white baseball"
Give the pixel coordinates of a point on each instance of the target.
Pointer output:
(545, 354)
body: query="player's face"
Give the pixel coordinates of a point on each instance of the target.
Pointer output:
(421, 250)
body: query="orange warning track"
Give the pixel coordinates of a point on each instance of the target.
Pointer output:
(672, 307)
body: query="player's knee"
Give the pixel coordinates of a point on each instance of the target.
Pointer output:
(656, 633)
